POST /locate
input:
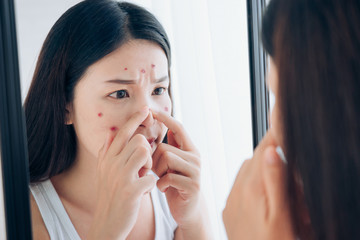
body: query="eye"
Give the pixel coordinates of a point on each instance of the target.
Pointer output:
(119, 94)
(159, 91)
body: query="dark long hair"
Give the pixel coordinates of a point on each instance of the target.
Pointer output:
(84, 34)
(315, 45)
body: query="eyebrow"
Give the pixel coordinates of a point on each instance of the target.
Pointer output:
(126, 82)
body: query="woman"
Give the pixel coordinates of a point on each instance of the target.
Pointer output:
(315, 75)
(97, 112)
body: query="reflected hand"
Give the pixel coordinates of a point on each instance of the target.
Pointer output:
(120, 183)
(257, 207)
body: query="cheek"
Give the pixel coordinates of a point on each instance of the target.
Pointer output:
(166, 105)
(112, 120)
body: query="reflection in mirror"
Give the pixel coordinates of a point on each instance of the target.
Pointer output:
(209, 81)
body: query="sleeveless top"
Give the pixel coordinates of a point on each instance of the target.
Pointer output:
(59, 225)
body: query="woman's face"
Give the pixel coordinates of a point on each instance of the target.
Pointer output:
(114, 88)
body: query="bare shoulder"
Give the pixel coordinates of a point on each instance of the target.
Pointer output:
(38, 226)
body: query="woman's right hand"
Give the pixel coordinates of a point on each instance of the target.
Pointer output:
(121, 182)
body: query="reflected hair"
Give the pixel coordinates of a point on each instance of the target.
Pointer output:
(83, 35)
(315, 45)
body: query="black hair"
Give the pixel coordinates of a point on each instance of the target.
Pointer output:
(315, 45)
(83, 35)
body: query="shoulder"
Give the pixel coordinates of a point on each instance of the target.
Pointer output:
(38, 226)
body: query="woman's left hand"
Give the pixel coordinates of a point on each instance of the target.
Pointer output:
(178, 166)
(257, 207)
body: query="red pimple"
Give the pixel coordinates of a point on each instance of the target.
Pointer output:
(100, 114)
(142, 70)
(166, 109)
(152, 65)
(113, 128)
(125, 69)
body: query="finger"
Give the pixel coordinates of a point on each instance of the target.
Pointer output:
(138, 141)
(171, 139)
(140, 159)
(183, 184)
(144, 185)
(180, 136)
(125, 133)
(143, 172)
(274, 171)
(187, 156)
(268, 140)
(108, 140)
(170, 161)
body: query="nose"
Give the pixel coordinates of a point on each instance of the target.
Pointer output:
(149, 121)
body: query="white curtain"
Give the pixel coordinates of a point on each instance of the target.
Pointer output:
(210, 79)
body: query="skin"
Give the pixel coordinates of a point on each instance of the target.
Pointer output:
(257, 207)
(106, 191)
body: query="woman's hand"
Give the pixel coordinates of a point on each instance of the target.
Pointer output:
(120, 183)
(178, 166)
(257, 207)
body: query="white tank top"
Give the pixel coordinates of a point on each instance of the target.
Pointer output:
(59, 225)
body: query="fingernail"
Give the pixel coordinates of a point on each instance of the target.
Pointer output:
(281, 154)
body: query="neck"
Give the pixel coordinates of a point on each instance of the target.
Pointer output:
(76, 185)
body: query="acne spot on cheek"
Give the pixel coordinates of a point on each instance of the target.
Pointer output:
(125, 69)
(142, 70)
(166, 109)
(100, 114)
(113, 129)
(153, 65)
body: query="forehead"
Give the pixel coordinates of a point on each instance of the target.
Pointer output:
(134, 56)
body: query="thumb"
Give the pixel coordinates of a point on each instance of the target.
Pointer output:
(274, 177)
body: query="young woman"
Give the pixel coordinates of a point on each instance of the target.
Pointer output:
(97, 113)
(315, 75)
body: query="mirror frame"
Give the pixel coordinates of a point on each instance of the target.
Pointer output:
(12, 131)
(12, 121)
(258, 69)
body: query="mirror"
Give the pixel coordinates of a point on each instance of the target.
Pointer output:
(210, 79)
(2, 212)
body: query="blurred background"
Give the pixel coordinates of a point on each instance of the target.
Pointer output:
(210, 80)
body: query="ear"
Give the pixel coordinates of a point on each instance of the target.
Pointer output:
(69, 114)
